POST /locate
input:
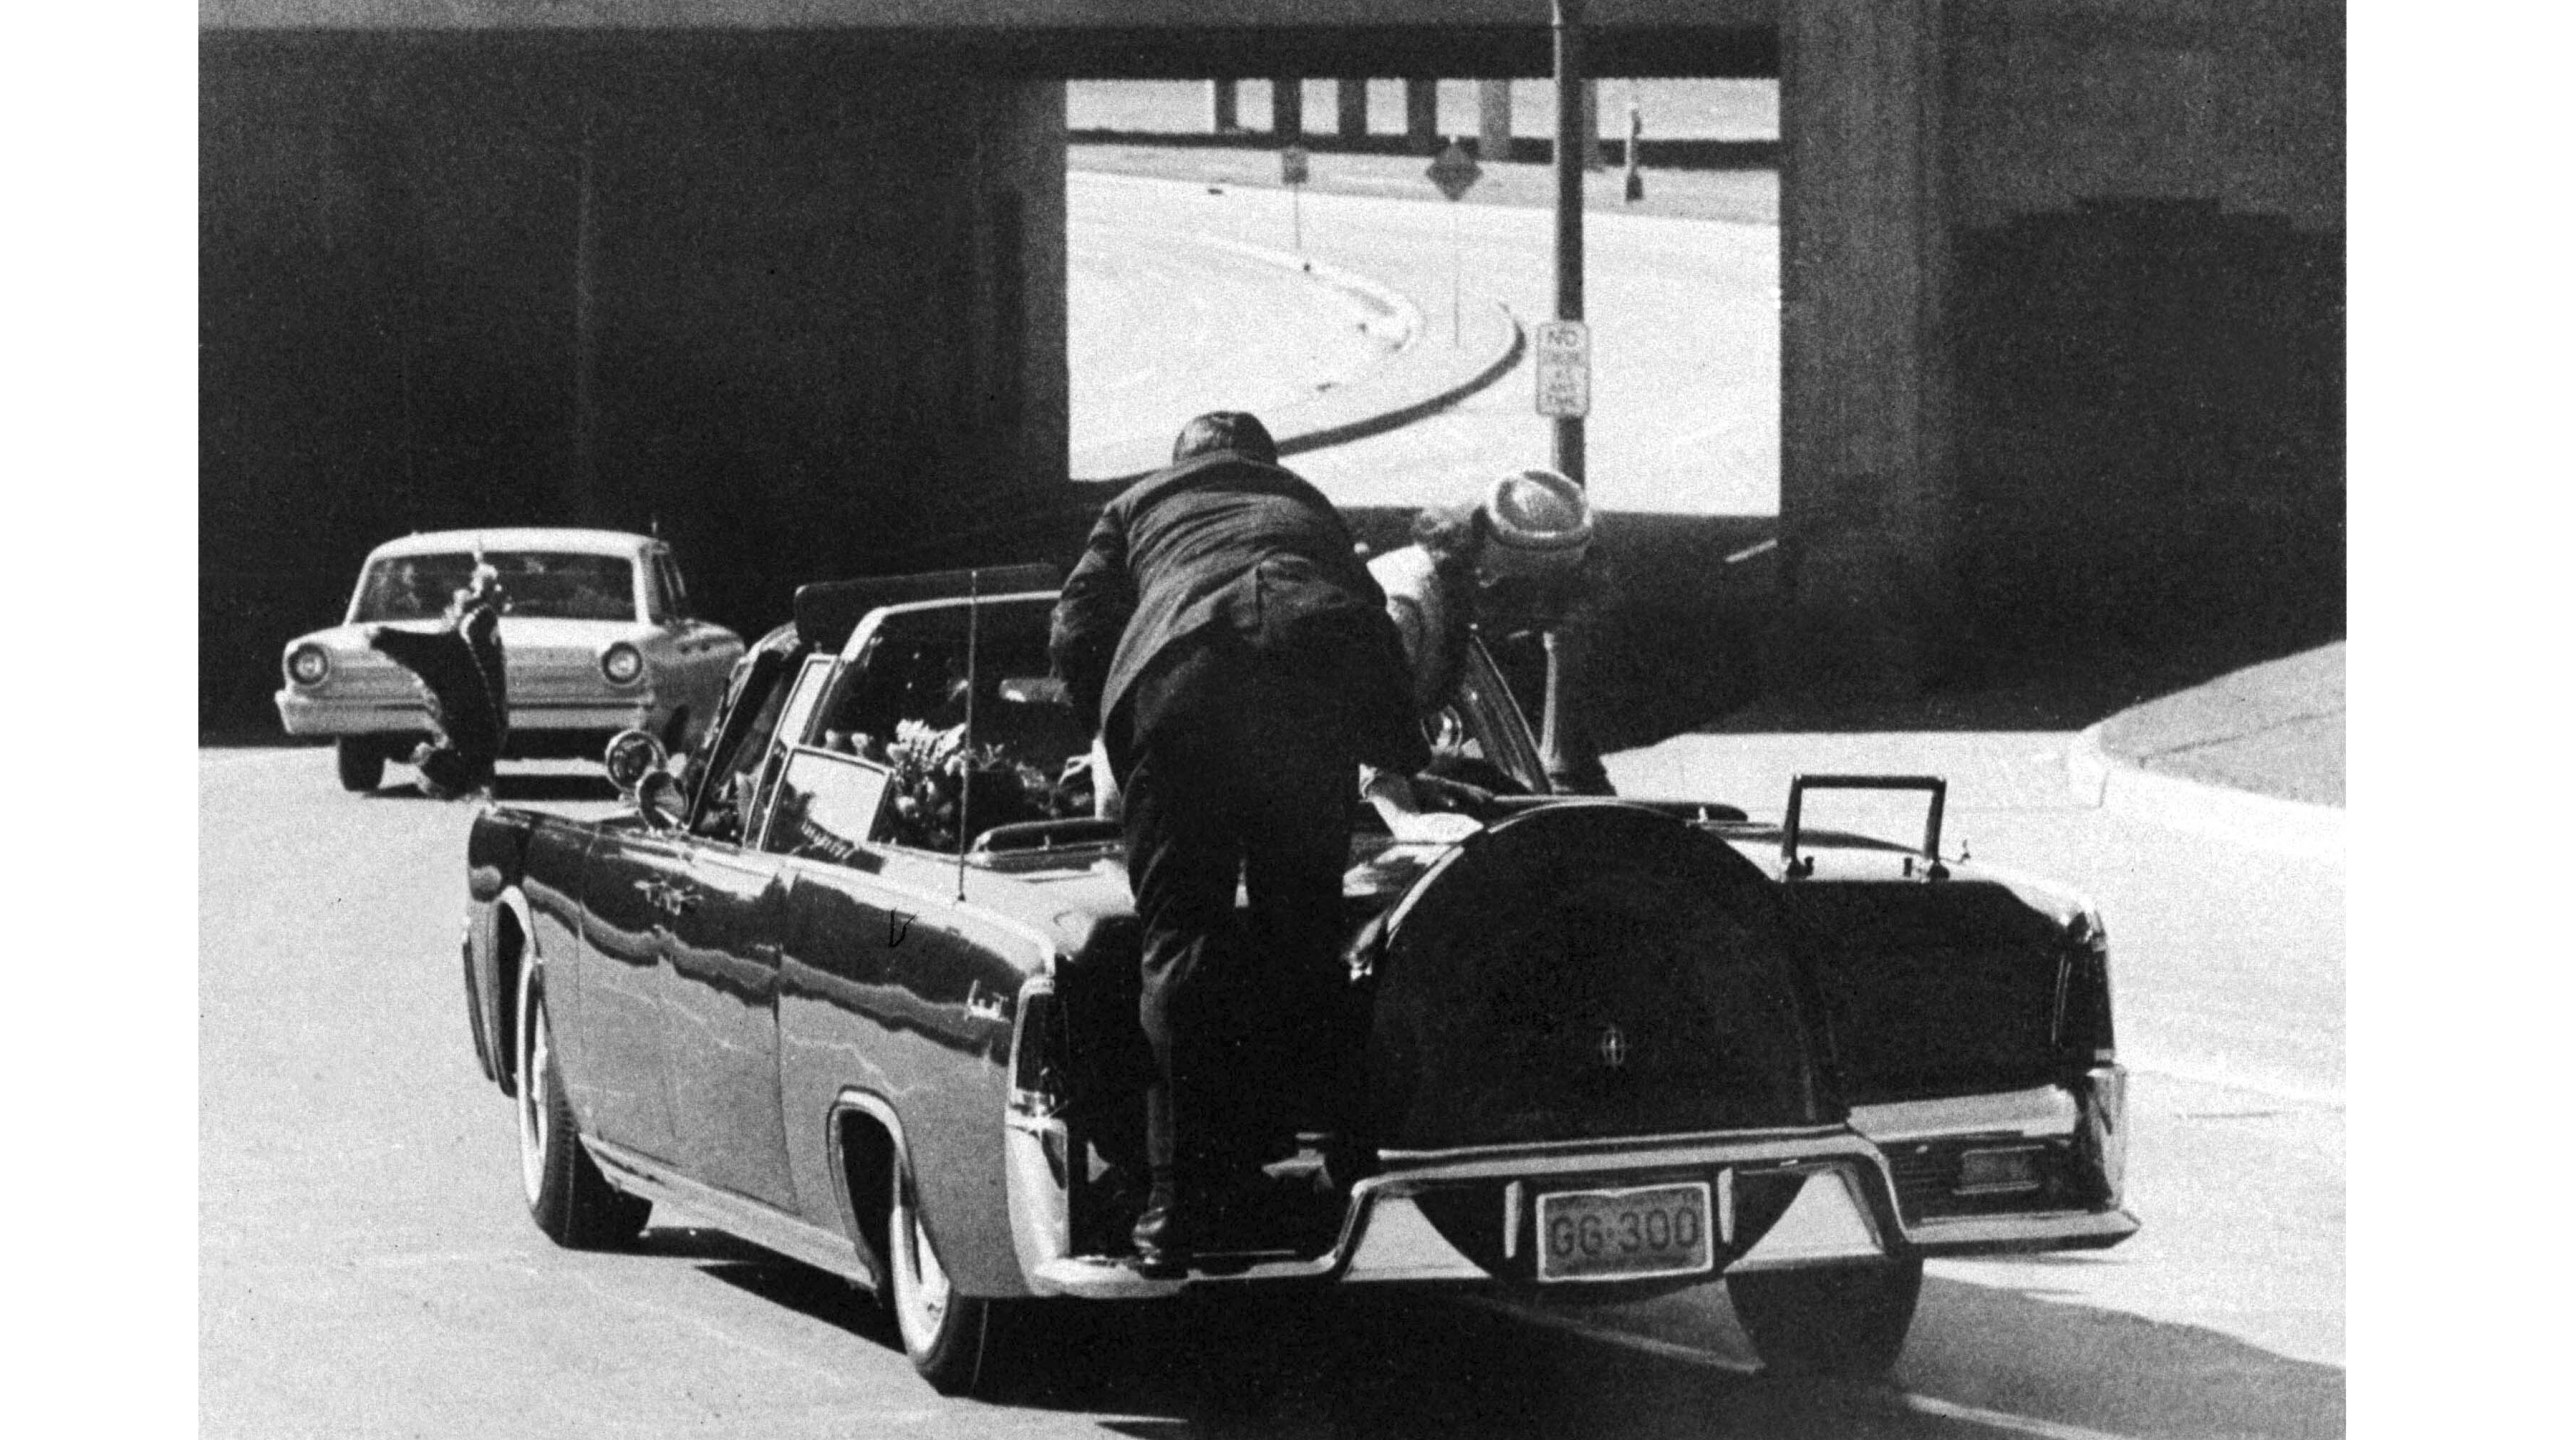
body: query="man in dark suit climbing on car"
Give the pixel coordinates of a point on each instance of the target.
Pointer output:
(1235, 654)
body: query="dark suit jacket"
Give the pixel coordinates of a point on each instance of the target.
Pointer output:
(464, 667)
(1244, 562)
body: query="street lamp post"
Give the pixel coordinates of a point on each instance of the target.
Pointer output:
(1572, 765)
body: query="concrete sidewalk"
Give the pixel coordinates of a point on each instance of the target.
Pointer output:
(2256, 756)
(2259, 754)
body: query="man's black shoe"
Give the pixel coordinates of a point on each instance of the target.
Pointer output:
(1165, 1238)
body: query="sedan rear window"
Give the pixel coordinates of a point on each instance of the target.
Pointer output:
(552, 585)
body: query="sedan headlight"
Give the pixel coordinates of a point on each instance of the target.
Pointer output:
(621, 664)
(307, 665)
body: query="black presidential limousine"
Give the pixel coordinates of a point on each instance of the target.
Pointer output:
(856, 980)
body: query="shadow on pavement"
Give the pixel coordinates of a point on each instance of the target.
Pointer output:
(2127, 1374)
(1982, 1360)
(816, 1293)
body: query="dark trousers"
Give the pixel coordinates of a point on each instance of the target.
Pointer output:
(1242, 1012)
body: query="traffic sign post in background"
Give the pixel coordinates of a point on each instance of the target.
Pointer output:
(1455, 172)
(1293, 173)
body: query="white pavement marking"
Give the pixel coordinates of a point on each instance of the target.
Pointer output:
(1702, 1360)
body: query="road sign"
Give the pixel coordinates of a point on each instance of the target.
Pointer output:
(1564, 368)
(1293, 165)
(1454, 171)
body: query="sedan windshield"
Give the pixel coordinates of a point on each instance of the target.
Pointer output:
(554, 585)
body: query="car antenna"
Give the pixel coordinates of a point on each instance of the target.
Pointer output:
(968, 737)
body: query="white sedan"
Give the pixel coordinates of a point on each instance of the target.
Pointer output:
(597, 632)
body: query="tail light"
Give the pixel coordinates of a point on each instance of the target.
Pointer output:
(308, 665)
(2084, 1027)
(1038, 1046)
(621, 664)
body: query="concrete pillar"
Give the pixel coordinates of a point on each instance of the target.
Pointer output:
(1422, 116)
(1493, 119)
(1288, 107)
(1591, 158)
(1023, 156)
(1351, 108)
(1222, 107)
(1864, 267)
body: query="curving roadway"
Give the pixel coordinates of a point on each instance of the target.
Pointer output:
(1166, 323)
(1684, 318)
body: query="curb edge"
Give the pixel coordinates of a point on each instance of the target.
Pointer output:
(2099, 780)
(1380, 422)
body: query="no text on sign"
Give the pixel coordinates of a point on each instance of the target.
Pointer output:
(1564, 368)
(1454, 171)
(1293, 165)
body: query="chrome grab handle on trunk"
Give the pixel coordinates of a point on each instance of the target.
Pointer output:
(1934, 786)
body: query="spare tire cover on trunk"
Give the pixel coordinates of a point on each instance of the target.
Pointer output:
(1585, 970)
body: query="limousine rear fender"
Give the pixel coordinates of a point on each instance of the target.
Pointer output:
(491, 952)
(864, 1141)
(961, 1193)
(496, 946)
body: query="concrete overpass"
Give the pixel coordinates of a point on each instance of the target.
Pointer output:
(2063, 281)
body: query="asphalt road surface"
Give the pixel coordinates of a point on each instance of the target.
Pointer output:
(366, 1267)
(1165, 327)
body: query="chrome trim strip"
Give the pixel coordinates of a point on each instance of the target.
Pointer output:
(749, 1220)
(2046, 1112)
(1585, 1156)
(1996, 1234)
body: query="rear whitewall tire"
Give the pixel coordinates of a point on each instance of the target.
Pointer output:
(960, 1344)
(568, 1197)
